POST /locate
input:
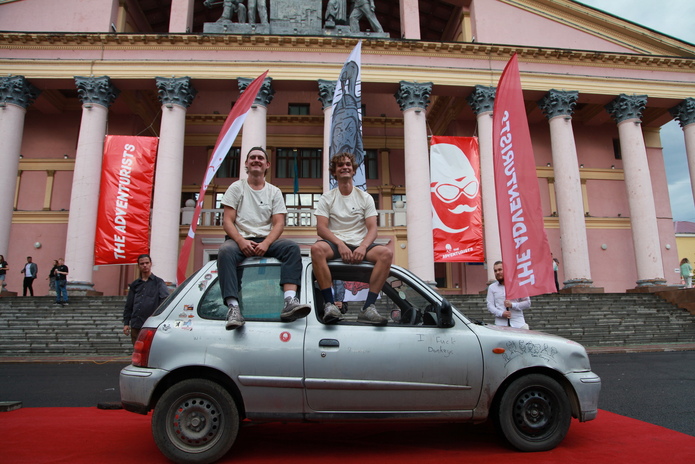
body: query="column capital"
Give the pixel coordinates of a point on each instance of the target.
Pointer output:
(326, 92)
(176, 91)
(482, 99)
(558, 103)
(627, 107)
(413, 95)
(97, 90)
(684, 112)
(18, 91)
(265, 93)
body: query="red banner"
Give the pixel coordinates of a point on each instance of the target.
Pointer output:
(125, 201)
(457, 220)
(526, 258)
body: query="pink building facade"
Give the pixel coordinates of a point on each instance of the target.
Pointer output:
(597, 90)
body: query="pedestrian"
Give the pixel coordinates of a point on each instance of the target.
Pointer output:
(686, 273)
(52, 276)
(556, 267)
(61, 283)
(145, 294)
(506, 312)
(4, 267)
(30, 271)
(254, 219)
(346, 224)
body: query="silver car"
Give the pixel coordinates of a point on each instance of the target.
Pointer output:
(428, 363)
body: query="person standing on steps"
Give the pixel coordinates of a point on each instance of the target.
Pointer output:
(61, 282)
(30, 271)
(4, 267)
(254, 219)
(144, 296)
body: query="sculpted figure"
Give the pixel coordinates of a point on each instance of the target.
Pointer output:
(260, 7)
(364, 8)
(336, 13)
(229, 7)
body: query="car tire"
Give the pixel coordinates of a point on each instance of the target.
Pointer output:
(534, 413)
(195, 421)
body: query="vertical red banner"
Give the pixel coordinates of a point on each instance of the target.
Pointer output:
(125, 200)
(457, 224)
(527, 262)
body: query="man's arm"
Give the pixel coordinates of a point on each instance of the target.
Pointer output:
(128, 310)
(229, 224)
(359, 253)
(521, 304)
(325, 233)
(278, 221)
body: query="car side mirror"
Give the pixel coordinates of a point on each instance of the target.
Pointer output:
(445, 315)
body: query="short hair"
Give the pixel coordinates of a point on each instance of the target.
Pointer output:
(496, 263)
(261, 149)
(144, 255)
(343, 154)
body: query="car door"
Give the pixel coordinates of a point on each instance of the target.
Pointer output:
(397, 367)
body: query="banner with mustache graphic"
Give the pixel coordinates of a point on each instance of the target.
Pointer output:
(457, 219)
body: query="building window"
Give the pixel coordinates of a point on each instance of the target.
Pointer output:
(308, 163)
(230, 165)
(300, 207)
(371, 164)
(298, 109)
(396, 198)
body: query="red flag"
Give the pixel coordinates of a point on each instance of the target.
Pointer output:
(125, 199)
(457, 225)
(228, 134)
(527, 262)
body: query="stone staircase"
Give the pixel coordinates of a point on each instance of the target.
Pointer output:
(91, 326)
(596, 320)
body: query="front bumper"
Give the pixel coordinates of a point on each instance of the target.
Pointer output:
(587, 386)
(137, 385)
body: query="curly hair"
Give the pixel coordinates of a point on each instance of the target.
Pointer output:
(343, 154)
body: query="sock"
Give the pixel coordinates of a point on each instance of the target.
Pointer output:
(231, 301)
(290, 294)
(371, 299)
(327, 294)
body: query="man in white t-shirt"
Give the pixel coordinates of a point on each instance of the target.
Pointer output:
(346, 221)
(254, 218)
(506, 312)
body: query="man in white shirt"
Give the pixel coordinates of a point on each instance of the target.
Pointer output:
(346, 223)
(254, 219)
(506, 312)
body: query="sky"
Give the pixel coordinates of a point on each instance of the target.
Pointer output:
(673, 18)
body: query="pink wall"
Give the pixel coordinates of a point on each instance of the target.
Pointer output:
(58, 15)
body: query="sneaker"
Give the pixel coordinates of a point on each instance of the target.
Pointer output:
(234, 318)
(371, 316)
(57, 302)
(344, 307)
(293, 310)
(331, 314)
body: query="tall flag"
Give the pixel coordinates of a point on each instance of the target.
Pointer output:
(527, 262)
(125, 199)
(228, 134)
(346, 120)
(457, 219)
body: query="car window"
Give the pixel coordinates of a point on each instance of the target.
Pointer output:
(260, 295)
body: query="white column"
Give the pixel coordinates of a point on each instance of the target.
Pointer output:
(326, 92)
(176, 95)
(558, 107)
(181, 16)
(482, 101)
(254, 130)
(410, 19)
(684, 113)
(413, 99)
(96, 95)
(627, 110)
(16, 94)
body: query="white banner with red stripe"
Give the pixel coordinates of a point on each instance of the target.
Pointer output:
(526, 258)
(457, 219)
(125, 199)
(230, 130)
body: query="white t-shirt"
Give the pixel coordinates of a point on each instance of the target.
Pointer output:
(254, 208)
(347, 213)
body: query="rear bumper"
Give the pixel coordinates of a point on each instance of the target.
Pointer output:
(137, 385)
(587, 386)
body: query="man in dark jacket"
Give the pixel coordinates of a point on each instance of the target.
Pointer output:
(144, 296)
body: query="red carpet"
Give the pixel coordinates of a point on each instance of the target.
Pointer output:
(91, 435)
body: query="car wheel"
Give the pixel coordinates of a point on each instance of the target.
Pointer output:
(534, 413)
(195, 421)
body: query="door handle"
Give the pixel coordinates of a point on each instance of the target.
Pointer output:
(329, 342)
